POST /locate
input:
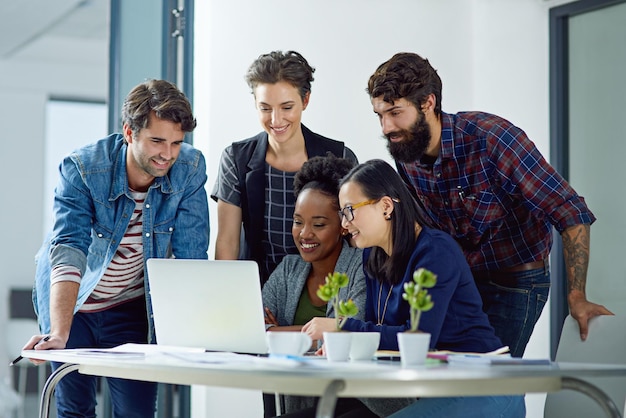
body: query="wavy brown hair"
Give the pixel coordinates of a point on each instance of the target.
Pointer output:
(406, 76)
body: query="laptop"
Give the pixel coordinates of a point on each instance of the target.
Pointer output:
(212, 304)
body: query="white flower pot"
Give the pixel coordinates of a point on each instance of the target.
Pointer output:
(413, 348)
(337, 345)
(364, 345)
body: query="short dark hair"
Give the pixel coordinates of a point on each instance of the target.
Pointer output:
(406, 75)
(322, 174)
(161, 97)
(278, 66)
(378, 179)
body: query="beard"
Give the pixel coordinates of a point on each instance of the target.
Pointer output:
(415, 143)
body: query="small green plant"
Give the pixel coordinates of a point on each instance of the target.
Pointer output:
(417, 296)
(329, 292)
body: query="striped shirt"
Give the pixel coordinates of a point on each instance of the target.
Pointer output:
(123, 279)
(493, 191)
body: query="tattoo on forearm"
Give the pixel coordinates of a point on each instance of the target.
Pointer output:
(576, 253)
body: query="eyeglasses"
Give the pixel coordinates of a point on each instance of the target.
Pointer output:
(348, 211)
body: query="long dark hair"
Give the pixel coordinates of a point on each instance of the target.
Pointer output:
(377, 180)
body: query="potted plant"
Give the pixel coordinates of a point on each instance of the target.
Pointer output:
(416, 294)
(337, 345)
(329, 292)
(414, 344)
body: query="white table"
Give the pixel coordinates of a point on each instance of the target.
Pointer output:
(371, 379)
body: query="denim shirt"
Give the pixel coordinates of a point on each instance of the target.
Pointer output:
(93, 206)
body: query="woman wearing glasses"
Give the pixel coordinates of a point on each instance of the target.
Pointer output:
(382, 217)
(290, 295)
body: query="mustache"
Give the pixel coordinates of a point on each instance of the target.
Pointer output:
(405, 133)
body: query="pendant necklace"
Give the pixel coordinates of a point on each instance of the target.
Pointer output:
(380, 294)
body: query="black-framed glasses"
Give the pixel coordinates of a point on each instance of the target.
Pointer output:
(348, 211)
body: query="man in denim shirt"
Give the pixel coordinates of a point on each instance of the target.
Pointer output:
(481, 179)
(120, 201)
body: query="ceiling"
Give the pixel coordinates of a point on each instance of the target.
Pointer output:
(54, 30)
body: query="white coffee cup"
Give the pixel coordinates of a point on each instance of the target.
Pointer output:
(290, 343)
(364, 345)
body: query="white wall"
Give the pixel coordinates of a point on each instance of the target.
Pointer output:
(492, 55)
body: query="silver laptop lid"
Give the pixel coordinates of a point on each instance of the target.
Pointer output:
(212, 304)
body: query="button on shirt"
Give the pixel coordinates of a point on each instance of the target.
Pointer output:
(92, 199)
(493, 191)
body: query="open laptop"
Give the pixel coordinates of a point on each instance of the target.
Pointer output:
(212, 304)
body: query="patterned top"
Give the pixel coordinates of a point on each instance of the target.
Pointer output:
(493, 191)
(280, 203)
(266, 241)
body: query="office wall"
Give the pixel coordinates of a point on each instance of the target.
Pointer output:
(492, 55)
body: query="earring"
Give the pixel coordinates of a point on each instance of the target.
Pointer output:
(388, 218)
(344, 232)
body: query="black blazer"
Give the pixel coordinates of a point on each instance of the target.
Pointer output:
(249, 157)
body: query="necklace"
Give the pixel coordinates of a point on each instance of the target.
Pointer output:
(380, 318)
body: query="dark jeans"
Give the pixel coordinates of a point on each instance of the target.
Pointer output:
(513, 302)
(76, 393)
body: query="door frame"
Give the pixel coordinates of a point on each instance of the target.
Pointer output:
(559, 141)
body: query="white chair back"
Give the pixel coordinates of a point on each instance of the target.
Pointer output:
(605, 344)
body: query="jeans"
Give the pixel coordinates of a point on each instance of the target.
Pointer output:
(466, 407)
(76, 393)
(513, 302)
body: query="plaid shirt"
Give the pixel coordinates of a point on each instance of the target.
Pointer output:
(493, 191)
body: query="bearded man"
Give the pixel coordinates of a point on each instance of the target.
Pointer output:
(481, 179)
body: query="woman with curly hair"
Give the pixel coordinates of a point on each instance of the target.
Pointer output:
(290, 295)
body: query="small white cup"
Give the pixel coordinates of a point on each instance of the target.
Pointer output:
(337, 345)
(289, 343)
(364, 345)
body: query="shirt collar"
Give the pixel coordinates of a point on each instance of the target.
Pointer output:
(447, 137)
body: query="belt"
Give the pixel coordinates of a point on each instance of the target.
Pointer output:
(526, 266)
(503, 272)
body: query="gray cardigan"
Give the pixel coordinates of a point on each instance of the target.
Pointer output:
(282, 291)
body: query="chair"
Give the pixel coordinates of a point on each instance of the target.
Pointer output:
(605, 344)
(19, 331)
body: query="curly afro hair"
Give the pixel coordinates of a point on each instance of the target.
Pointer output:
(323, 174)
